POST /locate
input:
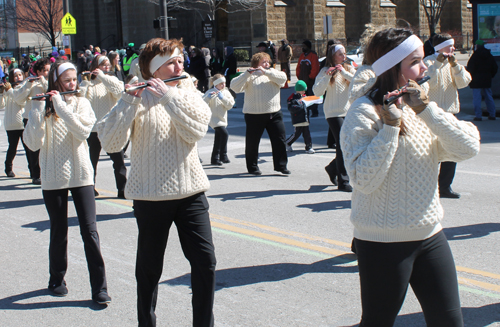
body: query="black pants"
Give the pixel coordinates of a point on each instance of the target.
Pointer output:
(221, 136)
(285, 67)
(191, 218)
(33, 163)
(13, 137)
(314, 107)
(56, 202)
(335, 125)
(273, 124)
(305, 132)
(446, 175)
(117, 158)
(386, 269)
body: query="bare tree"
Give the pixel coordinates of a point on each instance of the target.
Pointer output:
(433, 10)
(42, 17)
(213, 5)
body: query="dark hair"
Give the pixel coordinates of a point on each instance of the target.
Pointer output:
(381, 43)
(95, 64)
(40, 64)
(440, 38)
(308, 44)
(55, 85)
(154, 47)
(330, 60)
(11, 77)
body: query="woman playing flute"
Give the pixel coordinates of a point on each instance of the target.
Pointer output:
(59, 128)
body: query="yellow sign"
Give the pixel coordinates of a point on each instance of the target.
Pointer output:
(68, 24)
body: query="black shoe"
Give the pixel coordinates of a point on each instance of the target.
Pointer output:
(225, 160)
(332, 173)
(102, 298)
(96, 193)
(125, 156)
(255, 172)
(345, 187)
(216, 162)
(492, 118)
(10, 173)
(331, 146)
(37, 181)
(478, 119)
(121, 195)
(201, 161)
(60, 290)
(284, 171)
(450, 194)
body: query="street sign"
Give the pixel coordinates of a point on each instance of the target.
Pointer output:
(68, 24)
(207, 29)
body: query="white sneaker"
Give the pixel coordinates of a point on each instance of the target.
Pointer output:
(310, 151)
(289, 148)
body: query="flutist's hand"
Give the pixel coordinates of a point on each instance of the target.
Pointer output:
(7, 86)
(441, 57)
(96, 71)
(136, 92)
(158, 87)
(339, 67)
(452, 60)
(415, 97)
(331, 70)
(391, 114)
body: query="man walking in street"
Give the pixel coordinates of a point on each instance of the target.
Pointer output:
(307, 70)
(285, 55)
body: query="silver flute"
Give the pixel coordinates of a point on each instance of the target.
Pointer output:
(133, 88)
(38, 97)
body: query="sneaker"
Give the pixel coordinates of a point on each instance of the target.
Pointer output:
(60, 290)
(102, 298)
(289, 148)
(37, 181)
(310, 151)
(10, 173)
(284, 171)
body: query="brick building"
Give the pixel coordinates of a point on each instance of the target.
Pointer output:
(110, 24)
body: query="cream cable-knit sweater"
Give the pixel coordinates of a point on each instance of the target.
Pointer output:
(361, 82)
(262, 92)
(103, 93)
(30, 89)
(444, 82)
(219, 107)
(337, 93)
(395, 178)
(163, 133)
(64, 154)
(13, 100)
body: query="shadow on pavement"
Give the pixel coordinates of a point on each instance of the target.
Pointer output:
(44, 225)
(473, 317)
(20, 203)
(241, 276)
(268, 193)
(326, 206)
(470, 231)
(11, 302)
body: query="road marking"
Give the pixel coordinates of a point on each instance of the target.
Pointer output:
(280, 241)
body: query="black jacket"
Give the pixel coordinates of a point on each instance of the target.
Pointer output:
(482, 67)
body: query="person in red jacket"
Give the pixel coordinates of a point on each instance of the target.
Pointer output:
(307, 70)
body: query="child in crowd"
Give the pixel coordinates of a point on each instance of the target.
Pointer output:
(300, 118)
(220, 101)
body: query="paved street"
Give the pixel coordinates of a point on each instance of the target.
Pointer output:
(282, 243)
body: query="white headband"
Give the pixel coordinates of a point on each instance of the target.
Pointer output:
(133, 80)
(17, 69)
(101, 59)
(160, 60)
(220, 80)
(444, 44)
(338, 47)
(396, 55)
(61, 69)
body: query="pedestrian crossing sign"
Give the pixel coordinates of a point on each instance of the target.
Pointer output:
(68, 24)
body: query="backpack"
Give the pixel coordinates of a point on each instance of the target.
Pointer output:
(298, 111)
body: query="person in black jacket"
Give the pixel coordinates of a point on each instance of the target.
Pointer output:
(482, 67)
(216, 63)
(197, 67)
(229, 67)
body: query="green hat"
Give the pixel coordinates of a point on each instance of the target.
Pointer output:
(479, 42)
(300, 86)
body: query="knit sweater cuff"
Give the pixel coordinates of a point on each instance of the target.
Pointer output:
(168, 96)
(389, 133)
(430, 113)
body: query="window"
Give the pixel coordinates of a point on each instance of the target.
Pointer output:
(386, 3)
(334, 3)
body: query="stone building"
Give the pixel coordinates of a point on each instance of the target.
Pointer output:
(113, 23)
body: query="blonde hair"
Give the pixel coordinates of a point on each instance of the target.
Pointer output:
(256, 58)
(213, 79)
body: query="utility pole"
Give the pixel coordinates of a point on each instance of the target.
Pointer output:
(66, 10)
(163, 19)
